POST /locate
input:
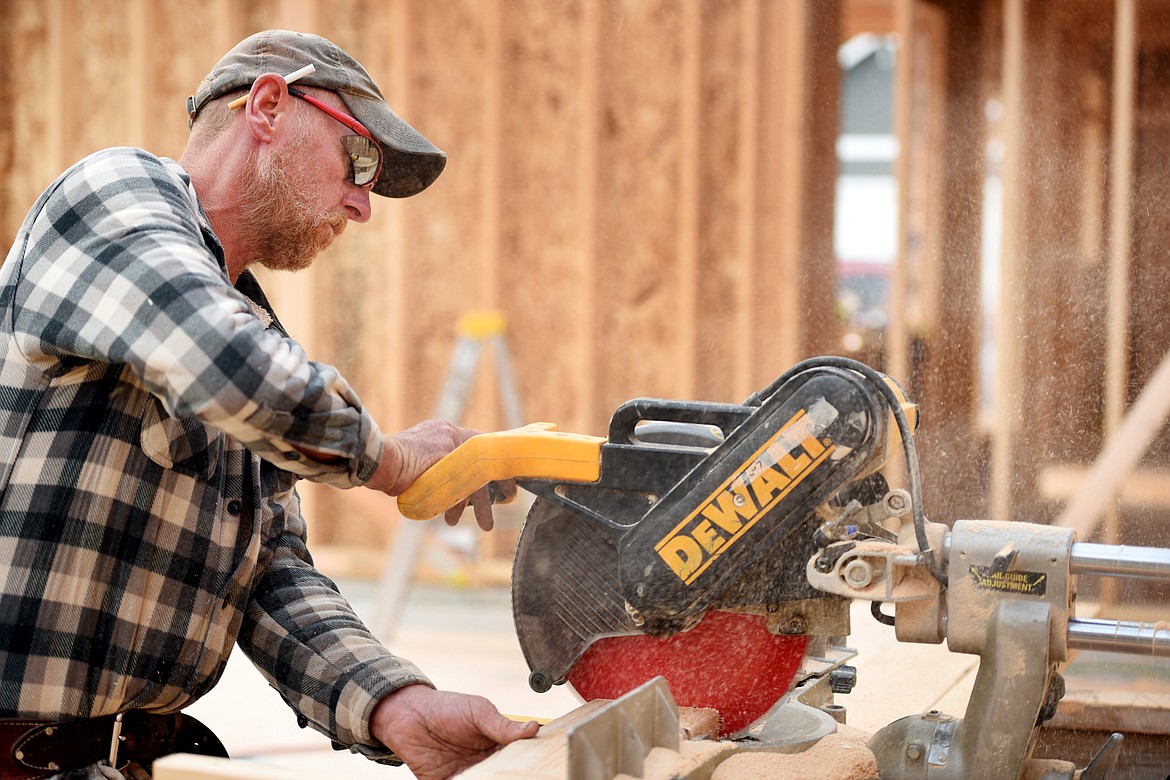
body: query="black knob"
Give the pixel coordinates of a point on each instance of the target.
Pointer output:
(842, 679)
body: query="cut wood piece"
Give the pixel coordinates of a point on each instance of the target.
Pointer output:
(546, 755)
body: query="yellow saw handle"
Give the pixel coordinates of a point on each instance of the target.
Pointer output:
(536, 451)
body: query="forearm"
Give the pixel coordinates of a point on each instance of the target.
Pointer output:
(312, 647)
(137, 284)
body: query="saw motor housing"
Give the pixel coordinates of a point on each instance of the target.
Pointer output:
(698, 506)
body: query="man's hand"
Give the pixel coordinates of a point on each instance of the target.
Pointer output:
(439, 733)
(406, 455)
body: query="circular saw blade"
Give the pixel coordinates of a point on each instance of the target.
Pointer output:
(728, 662)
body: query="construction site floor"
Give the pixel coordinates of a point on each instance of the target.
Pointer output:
(464, 639)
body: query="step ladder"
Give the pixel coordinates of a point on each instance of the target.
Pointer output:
(477, 331)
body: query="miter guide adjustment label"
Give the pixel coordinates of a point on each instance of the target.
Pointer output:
(1025, 583)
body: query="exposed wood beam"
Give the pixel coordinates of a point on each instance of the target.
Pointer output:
(1137, 488)
(1128, 442)
(1120, 226)
(1008, 370)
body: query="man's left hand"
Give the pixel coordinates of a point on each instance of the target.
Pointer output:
(439, 733)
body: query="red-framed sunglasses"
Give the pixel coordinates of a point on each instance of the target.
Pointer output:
(365, 155)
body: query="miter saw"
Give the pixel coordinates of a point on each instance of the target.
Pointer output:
(720, 546)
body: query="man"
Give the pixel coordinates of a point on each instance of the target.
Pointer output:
(154, 419)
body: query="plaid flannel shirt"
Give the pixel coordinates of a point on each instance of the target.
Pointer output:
(149, 418)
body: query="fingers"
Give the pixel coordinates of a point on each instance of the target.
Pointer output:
(455, 513)
(511, 731)
(439, 733)
(525, 730)
(501, 729)
(408, 454)
(482, 501)
(482, 504)
(505, 491)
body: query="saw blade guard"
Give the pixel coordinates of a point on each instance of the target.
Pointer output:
(821, 429)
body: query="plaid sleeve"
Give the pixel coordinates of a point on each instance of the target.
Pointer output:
(313, 649)
(119, 270)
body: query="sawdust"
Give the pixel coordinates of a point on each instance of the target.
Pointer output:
(698, 728)
(697, 723)
(662, 763)
(840, 756)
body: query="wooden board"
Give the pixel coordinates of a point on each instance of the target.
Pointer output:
(1108, 693)
(545, 757)
(840, 756)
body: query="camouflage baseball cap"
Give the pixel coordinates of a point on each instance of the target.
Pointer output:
(411, 161)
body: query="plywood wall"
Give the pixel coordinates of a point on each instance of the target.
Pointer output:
(643, 187)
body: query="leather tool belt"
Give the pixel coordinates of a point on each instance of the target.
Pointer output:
(32, 749)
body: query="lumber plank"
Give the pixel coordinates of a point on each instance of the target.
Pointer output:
(546, 755)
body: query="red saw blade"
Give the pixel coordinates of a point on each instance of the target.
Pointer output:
(728, 662)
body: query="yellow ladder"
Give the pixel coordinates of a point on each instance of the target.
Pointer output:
(476, 330)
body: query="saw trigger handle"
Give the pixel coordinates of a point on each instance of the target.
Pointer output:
(537, 451)
(630, 417)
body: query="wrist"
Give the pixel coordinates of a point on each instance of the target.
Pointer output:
(396, 706)
(389, 471)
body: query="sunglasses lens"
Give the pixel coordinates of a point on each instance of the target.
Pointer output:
(365, 158)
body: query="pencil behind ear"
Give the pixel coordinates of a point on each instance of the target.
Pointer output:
(299, 73)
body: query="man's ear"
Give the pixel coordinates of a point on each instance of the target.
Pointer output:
(267, 99)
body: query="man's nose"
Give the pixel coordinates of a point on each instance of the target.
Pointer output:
(357, 203)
